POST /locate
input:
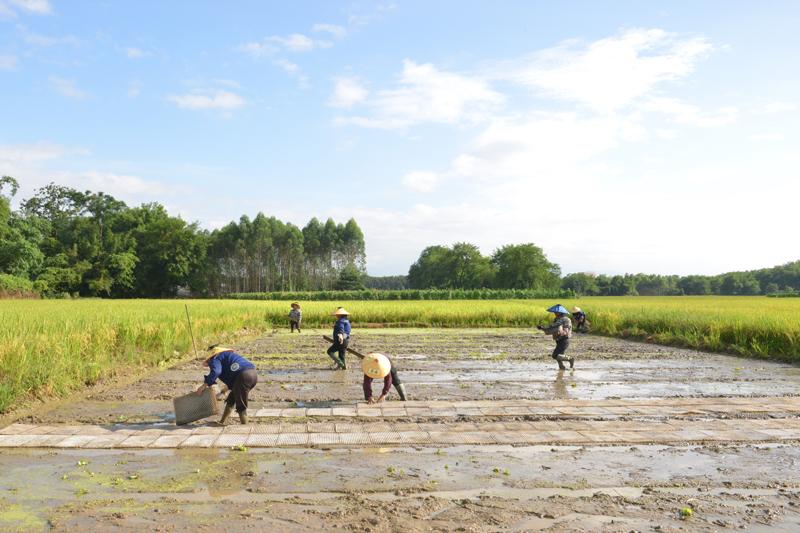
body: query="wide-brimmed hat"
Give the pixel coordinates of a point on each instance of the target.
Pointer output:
(376, 365)
(558, 308)
(577, 309)
(340, 312)
(215, 350)
(295, 304)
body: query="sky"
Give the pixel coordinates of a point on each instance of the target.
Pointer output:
(619, 136)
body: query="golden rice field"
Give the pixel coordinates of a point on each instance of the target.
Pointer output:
(49, 348)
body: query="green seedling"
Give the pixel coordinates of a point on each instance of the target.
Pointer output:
(574, 385)
(391, 470)
(81, 492)
(506, 472)
(439, 451)
(446, 467)
(197, 471)
(65, 477)
(240, 448)
(686, 513)
(83, 463)
(496, 470)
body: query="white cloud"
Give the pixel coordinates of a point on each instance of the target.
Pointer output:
(610, 73)
(681, 112)
(337, 32)
(287, 66)
(766, 136)
(8, 62)
(37, 39)
(66, 87)
(221, 100)
(296, 42)
(134, 89)
(421, 181)
(779, 107)
(18, 154)
(38, 7)
(134, 53)
(427, 94)
(347, 92)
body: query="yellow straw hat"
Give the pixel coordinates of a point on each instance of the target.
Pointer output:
(295, 304)
(340, 311)
(216, 350)
(376, 365)
(576, 309)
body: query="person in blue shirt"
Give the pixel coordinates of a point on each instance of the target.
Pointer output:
(341, 338)
(237, 373)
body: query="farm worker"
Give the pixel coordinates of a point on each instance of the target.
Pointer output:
(581, 324)
(295, 317)
(561, 330)
(341, 337)
(377, 366)
(237, 373)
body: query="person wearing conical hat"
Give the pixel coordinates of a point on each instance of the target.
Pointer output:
(237, 373)
(341, 338)
(295, 317)
(581, 324)
(561, 330)
(377, 366)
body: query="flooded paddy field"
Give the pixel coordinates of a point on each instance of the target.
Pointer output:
(494, 439)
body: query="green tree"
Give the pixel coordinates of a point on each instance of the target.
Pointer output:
(350, 279)
(524, 266)
(581, 283)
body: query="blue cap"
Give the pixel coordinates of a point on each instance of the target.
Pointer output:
(558, 308)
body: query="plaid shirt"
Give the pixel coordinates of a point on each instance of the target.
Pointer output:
(295, 315)
(566, 327)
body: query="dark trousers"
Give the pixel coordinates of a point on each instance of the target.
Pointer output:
(561, 348)
(341, 349)
(294, 324)
(244, 383)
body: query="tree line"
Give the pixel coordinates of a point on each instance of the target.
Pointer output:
(525, 266)
(66, 242)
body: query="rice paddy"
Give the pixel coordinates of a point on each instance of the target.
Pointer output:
(49, 348)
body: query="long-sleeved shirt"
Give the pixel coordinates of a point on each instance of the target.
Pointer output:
(560, 328)
(387, 384)
(226, 366)
(341, 326)
(295, 315)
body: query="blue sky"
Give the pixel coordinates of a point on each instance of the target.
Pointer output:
(620, 136)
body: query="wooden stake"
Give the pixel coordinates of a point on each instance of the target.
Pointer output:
(186, 306)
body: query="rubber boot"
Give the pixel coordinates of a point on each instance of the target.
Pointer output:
(243, 418)
(571, 363)
(336, 360)
(225, 414)
(401, 390)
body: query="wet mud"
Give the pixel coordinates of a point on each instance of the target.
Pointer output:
(415, 488)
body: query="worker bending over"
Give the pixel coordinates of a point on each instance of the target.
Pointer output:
(237, 373)
(377, 366)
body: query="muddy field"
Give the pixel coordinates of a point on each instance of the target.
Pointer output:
(752, 484)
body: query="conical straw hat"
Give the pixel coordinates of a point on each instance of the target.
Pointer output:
(340, 312)
(376, 365)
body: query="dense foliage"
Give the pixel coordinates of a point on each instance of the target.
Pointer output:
(783, 279)
(68, 242)
(408, 294)
(462, 266)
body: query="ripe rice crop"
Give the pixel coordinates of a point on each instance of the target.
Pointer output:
(52, 347)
